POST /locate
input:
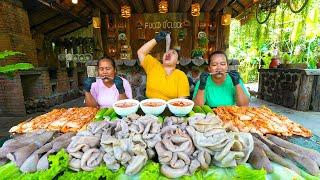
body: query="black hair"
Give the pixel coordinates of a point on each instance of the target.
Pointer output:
(216, 53)
(106, 58)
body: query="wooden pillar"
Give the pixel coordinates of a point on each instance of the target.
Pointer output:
(98, 51)
(104, 33)
(195, 27)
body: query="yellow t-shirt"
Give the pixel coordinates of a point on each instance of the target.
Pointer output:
(163, 86)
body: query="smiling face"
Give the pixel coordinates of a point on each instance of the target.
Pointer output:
(218, 66)
(106, 69)
(170, 58)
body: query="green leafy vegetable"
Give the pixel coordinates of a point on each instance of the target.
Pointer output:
(9, 171)
(151, 171)
(246, 173)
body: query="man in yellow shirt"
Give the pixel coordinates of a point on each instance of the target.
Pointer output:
(164, 81)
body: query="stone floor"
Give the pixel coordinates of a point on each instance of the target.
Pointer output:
(309, 120)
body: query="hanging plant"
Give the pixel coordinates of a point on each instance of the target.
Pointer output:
(181, 35)
(198, 53)
(203, 41)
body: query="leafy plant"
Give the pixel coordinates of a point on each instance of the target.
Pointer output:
(198, 52)
(203, 41)
(10, 69)
(295, 36)
(181, 34)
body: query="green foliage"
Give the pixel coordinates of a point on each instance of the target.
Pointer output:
(6, 54)
(198, 52)
(10, 69)
(296, 37)
(203, 41)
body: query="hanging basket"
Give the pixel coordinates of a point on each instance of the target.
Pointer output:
(118, 62)
(82, 58)
(185, 62)
(88, 57)
(130, 62)
(198, 62)
(62, 57)
(75, 57)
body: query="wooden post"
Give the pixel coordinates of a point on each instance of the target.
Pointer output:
(104, 33)
(195, 27)
(305, 92)
(315, 100)
(98, 52)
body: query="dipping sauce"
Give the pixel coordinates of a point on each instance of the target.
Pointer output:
(125, 104)
(181, 103)
(153, 104)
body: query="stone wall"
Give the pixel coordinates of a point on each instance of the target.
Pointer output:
(15, 33)
(11, 97)
(292, 88)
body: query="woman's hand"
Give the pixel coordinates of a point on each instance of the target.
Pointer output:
(203, 80)
(119, 84)
(160, 36)
(88, 82)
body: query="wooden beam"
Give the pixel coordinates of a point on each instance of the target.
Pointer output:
(184, 6)
(45, 21)
(71, 31)
(201, 2)
(61, 9)
(112, 5)
(122, 2)
(138, 6)
(101, 6)
(219, 6)
(150, 6)
(209, 5)
(58, 27)
(233, 10)
(242, 6)
(174, 5)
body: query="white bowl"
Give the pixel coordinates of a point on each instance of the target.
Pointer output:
(180, 110)
(153, 110)
(125, 111)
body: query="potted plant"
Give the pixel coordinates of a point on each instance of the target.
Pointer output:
(181, 35)
(203, 41)
(198, 53)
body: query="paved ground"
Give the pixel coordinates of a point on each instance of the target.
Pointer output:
(309, 120)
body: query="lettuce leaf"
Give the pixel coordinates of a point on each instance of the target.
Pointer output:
(246, 173)
(151, 171)
(9, 171)
(99, 172)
